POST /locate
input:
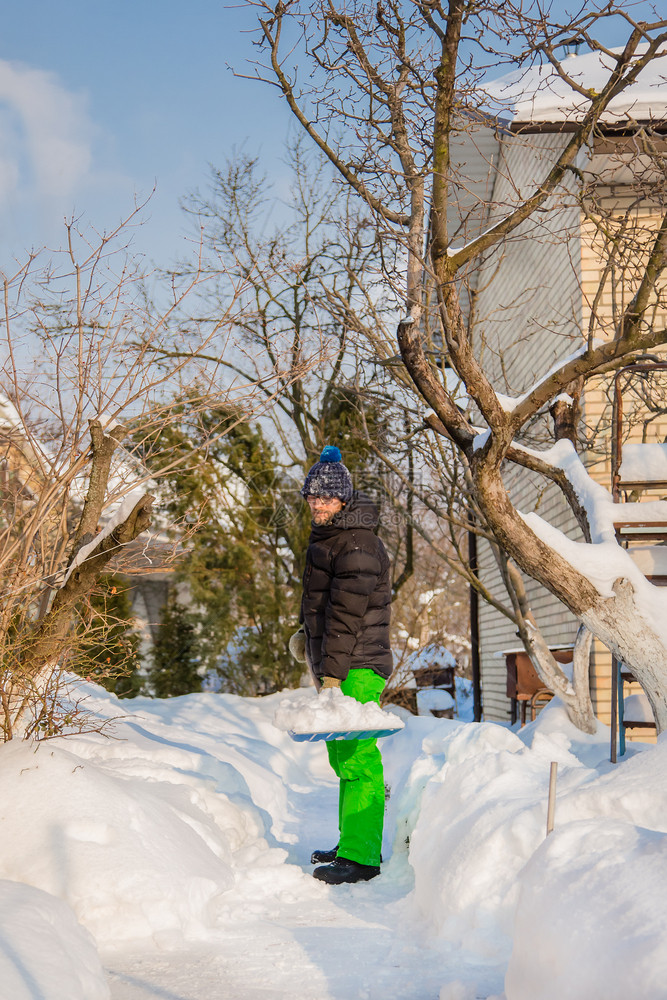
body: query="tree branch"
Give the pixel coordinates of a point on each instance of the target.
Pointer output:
(53, 628)
(398, 218)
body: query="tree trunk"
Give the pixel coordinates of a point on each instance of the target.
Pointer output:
(55, 625)
(576, 695)
(44, 652)
(616, 621)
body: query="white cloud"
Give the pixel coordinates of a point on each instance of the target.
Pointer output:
(45, 138)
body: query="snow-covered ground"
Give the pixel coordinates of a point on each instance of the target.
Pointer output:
(172, 863)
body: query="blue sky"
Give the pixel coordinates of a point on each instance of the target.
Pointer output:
(100, 101)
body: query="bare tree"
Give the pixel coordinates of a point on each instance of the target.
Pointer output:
(389, 93)
(291, 254)
(80, 385)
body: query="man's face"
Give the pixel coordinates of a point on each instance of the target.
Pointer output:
(323, 509)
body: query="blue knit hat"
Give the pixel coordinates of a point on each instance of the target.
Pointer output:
(329, 477)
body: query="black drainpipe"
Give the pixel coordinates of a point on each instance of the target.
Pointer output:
(474, 623)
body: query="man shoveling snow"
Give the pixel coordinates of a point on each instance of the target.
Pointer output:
(345, 612)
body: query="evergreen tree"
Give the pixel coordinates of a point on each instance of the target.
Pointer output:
(175, 669)
(238, 565)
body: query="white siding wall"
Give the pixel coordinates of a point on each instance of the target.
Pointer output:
(529, 314)
(474, 153)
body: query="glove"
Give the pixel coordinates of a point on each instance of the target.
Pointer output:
(297, 646)
(330, 682)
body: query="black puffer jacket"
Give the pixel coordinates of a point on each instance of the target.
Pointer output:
(346, 601)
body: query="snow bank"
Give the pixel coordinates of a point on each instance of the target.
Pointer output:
(331, 711)
(200, 817)
(480, 816)
(44, 953)
(490, 883)
(144, 835)
(590, 920)
(98, 839)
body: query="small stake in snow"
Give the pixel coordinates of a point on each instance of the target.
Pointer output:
(551, 809)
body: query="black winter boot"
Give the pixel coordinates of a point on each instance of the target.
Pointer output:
(323, 857)
(343, 870)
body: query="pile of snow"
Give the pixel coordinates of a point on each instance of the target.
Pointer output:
(488, 881)
(44, 952)
(636, 708)
(434, 700)
(115, 837)
(589, 921)
(193, 827)
(644, 463)
(143, 834)
(331, 711)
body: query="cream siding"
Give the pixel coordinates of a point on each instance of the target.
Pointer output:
(603, 298)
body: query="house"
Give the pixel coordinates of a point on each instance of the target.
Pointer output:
(544, 291)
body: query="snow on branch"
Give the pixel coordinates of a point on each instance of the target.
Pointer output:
(602, 560)
(118, 517)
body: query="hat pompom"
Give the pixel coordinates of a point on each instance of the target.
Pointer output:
(331, 454)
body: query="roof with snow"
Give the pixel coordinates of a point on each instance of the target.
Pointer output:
(539, 95)
(433, 655)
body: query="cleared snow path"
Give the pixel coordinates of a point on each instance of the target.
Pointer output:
(358, 944)
(279, 933)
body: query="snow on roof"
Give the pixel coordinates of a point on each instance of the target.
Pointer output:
(539, 94)
(432, 655)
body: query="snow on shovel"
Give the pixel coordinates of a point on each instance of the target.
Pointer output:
(331, 715)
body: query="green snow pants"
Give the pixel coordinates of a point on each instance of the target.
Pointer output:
(358, 764)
